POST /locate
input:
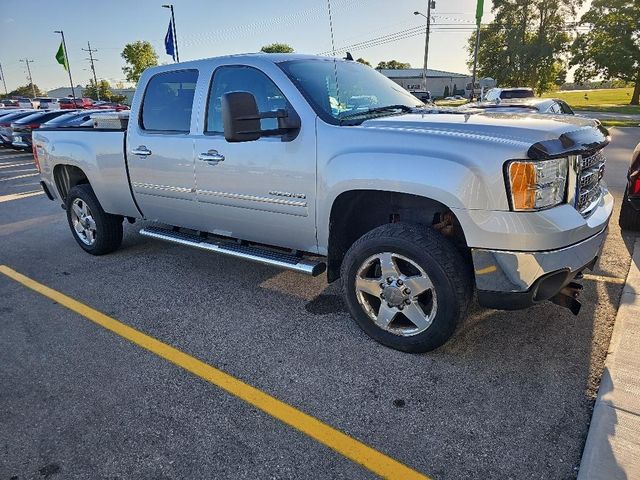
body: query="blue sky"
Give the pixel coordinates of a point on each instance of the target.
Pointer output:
(211, 28)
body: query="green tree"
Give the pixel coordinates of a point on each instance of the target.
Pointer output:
(104, 89)
(26, 91)
(139, 56)
(277, 48)
(610, 49)
(526, 44)
(363, 61)
(393, 65)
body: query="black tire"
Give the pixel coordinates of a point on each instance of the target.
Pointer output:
(108, 227)
(629, 216)
(440, 260)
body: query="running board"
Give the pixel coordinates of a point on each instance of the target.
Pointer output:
(232, 249)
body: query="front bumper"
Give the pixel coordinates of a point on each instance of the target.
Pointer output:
(510, 280)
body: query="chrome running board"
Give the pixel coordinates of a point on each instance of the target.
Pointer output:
(229, 247)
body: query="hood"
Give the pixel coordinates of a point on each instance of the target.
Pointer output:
(545, 135)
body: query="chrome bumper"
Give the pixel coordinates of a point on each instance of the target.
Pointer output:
(514, 272)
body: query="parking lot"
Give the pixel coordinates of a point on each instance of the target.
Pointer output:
(509, 396)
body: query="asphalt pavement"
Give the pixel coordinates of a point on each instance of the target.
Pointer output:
(509, 396)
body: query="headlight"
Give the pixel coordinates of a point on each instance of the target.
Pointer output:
(536, 185)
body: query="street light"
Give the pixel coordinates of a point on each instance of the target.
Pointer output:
(430, 4)
(173, 23)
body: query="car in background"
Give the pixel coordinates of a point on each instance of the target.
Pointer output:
(110, 106)
(523, 105)
(47, 103)
(26, 103)
(630, 208)
(498, 94)
(9, 103)
(81, 118)
(423, 95)
(22, 128)
(6, 134)
(78, 103)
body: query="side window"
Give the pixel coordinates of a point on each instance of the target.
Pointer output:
(243, 79)
(168, 101)
(565, 108)
(555, 108)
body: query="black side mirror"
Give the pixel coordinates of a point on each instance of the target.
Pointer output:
(241, 119)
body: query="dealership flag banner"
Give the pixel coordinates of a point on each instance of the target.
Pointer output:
(61, 57)
(169, 43)
(479, 10)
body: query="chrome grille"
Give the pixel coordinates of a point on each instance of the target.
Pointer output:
(588, 184)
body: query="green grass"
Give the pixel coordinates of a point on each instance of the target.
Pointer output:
(621, 123)
(615, 100)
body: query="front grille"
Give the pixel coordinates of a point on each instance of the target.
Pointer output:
(588, 185)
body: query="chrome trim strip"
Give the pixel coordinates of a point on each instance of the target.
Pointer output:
(168, 188)
(303, 265)
(252, 198)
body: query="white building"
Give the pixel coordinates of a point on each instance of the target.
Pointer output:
(437, 81)
(63, 92)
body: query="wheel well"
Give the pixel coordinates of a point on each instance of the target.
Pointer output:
(67, 177)
(357, 212)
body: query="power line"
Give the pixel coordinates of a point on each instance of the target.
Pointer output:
(93, 68)
(33, 88)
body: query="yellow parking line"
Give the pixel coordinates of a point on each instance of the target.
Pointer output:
(603, 278)
(371, 459)
(18, 196)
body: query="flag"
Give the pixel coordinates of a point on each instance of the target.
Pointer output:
(168, 42)
(61, 57)
(479, 11)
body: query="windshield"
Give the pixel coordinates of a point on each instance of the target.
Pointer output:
(360, 92)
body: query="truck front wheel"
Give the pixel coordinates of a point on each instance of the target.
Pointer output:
(96, 231)
(406, 286)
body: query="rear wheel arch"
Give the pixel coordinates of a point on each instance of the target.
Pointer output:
(356, 212)
(66, 177)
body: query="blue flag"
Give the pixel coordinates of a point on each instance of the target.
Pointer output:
(169, 44)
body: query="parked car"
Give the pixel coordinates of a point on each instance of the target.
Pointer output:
(23, 127)
(46, 103)
(9, 103)
(423, 95)
(73, 119)
(71, 104)
(6, 133)
(630, 208)
(110, 106)
(524, 105)
(494, 94)
(26, 103)
(411, 206)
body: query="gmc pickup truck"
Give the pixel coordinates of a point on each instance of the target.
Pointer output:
(317, 164)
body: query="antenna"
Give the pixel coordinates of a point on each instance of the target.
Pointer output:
(333, 51)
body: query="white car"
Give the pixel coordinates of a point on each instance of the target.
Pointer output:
(26, 103)
(46, 103)
(496, 94)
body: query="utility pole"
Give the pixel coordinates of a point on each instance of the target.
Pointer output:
(175, 35)
(430, 4)
(93, 68)
(33, 88)
(64, 46)
(3, 80)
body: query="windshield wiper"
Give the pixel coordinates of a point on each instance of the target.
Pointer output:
(386, 108)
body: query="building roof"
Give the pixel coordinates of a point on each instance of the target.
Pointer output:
(417, 73)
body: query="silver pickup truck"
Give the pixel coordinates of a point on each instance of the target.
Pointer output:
(316, 164)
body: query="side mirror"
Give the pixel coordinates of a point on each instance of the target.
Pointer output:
(241, 119)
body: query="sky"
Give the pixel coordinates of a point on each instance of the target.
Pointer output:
(220, 27)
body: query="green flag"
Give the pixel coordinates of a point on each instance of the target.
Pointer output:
(479, 9)
(61, 57)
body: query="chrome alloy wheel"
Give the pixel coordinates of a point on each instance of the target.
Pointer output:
(83, 222)
(396, 294)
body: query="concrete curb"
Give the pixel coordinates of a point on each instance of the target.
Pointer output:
(612, 450)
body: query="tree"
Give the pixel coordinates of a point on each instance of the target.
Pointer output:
(139, 56)
(277, 48)
(526, 44)
(392, 65)
(611, 47)
(363, 61)
(26, 91)
(104, 89)
(447, 93)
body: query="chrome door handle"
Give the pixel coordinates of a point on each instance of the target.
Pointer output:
(141, 150)
(211, 156)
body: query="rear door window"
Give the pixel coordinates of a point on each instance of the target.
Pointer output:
(168, 102)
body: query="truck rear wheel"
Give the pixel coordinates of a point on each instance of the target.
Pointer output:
(629, 216)
(406, 286)
(96, 231)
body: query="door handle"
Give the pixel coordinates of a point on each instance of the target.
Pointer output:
(141, 151)
(211, 156)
